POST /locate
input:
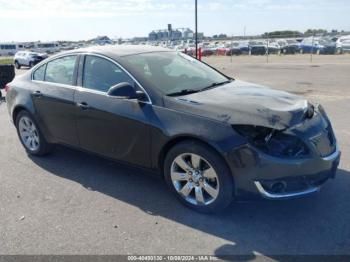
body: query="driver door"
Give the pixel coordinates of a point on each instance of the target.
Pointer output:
(113, 127)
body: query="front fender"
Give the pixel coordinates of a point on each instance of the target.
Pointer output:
(169, 125)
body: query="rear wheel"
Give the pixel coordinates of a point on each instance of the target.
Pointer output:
(17, 65)
(30, 135)
(199, 177)
(31, 64)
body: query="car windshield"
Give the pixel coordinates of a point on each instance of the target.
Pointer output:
(325, 42)
(256, 43)
(175, 72)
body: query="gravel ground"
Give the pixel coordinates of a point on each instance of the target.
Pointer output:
(75, 203)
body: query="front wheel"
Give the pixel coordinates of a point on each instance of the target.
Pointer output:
(30, 135)
(199, 177)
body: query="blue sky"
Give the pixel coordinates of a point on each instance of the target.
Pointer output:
(30, 20)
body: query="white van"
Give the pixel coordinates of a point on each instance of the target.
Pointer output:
(48, 47)
(8, 49)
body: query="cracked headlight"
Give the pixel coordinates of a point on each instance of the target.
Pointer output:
(273, 142)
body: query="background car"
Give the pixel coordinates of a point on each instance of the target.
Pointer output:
(257, 48)
(233, 49)
(289, 46)
(317, 46)
(244, 47)
(28, 58)
(343, 44)
(273, 47)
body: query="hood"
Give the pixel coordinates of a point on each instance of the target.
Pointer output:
(243, 103)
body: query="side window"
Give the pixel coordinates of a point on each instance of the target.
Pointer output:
(61, 70)
(101, 74)
(39, 74)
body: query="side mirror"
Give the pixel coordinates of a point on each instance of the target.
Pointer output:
(122, 90)
(125, 90)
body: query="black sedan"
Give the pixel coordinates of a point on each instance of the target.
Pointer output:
(211, 137)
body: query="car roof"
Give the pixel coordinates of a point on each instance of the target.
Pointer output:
(120, 50)
(26, 52)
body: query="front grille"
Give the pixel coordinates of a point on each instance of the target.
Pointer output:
(324, 142)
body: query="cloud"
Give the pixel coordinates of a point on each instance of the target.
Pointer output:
(29, 9)
(80, 8)
(113, 8)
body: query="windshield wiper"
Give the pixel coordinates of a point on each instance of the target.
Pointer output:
(216, 84)
(192, 91)
(183, 92)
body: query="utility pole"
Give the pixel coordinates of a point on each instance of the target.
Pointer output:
(196, 27)
(231, 50)
(312, 47)
(267, 50)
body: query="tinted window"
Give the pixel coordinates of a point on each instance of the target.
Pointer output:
(61, 70)
(101, 74)
(39, 74)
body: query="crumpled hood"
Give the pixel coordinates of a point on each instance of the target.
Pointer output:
(244, 104)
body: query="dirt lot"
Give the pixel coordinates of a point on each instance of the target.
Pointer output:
(75, 203)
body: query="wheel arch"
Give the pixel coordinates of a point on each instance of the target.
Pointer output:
(182, 138)
(18, 109)
(42, 128)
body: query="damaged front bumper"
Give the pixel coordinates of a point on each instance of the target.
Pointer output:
(259, 175)
(261, 172)
(283, 188)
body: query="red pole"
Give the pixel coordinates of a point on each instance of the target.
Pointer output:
(200, 54)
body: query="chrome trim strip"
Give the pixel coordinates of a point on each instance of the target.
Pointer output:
(55, 84)
(81, 88)
(333, 155)
(277, 196)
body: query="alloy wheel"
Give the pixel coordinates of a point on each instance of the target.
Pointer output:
(194, 179)
(29, 133)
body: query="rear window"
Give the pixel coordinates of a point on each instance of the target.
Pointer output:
(61, 70)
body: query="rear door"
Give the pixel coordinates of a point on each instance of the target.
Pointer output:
(117, 128)
(53, 96)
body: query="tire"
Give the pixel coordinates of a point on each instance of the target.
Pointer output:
(205, 192)
(31, 64)
(40, 146)
(17, 65)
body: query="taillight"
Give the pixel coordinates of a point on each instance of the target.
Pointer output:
(7, 88)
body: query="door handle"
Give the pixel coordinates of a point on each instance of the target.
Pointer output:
(37, 94)
(83, 106)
